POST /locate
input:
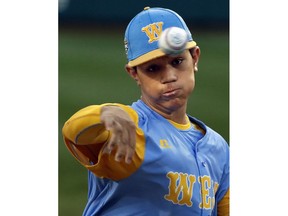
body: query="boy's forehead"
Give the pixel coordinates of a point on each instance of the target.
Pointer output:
(166, 58)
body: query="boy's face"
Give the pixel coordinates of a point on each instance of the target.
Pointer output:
(167, 82)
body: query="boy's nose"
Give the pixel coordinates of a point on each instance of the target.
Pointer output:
(169, 75)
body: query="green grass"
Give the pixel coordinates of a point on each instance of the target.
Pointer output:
(91, 71)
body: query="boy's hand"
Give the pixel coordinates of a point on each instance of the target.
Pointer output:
(123, 132)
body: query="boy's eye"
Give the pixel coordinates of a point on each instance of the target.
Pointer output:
(152, 68)
(177, 61)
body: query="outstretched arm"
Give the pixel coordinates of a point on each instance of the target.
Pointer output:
(106, 140)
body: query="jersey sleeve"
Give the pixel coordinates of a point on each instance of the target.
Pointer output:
(223, 194)
(85, 136)
(223, 207)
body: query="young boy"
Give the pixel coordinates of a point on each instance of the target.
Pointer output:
(151, 158)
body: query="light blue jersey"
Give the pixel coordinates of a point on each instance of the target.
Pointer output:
(185, 171)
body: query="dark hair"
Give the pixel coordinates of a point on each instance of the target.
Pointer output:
(191, 51)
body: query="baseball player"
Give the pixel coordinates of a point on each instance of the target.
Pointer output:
(151, 158)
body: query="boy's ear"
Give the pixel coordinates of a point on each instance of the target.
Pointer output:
(196, 56)
(132, 71)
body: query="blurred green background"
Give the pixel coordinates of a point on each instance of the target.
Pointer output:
(91, 71)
